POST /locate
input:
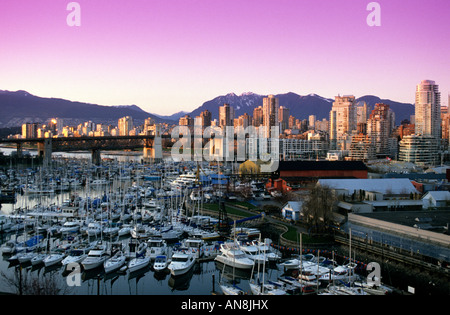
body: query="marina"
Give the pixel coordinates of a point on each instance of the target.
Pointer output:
(125, 228)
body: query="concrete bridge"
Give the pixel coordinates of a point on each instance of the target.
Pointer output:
(151, 144)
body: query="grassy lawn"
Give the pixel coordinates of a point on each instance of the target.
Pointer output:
(215, 207)
(293, 236)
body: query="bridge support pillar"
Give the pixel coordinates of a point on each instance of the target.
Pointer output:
(96, 157)
(153, 149)
(45, 150)
(19, 149)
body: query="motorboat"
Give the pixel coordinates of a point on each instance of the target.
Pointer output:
(169, 233)
(267, 250)
(70, 227)
(204, 234)
(140, 232)
(9, 247)
(156, 247)
(233, 256)
(94, 229)
(115, 262)
(194, 246)
(96, 257)
(298, 263)
(181, 263)
(253, 252)
(161, 262)
(342, 272)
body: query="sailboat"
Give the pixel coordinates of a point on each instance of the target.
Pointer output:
(260, 286)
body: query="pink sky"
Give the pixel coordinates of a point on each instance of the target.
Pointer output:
(172, 55)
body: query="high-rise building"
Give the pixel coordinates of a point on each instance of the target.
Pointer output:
(283, 117)
(29, 130)
(125, 125)
(312, 122)
(270, 113)
(342, 119)
(258, 116)
(226, 115)
(428, 109)
(379, 127)
(243, 121)
(206, 118)
(187, 121)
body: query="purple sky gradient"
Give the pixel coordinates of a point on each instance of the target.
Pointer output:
(166, 56)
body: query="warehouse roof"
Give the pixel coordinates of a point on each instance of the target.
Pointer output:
(381, 185)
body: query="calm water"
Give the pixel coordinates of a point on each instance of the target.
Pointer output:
(203, 278)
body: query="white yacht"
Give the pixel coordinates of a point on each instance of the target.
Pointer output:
(253, 252)
(115, 262)
(125, 230)
(156, 247)
(38, 259)
(181, 263)
(139, 262)
(75, 256)
(94, 229)
(343, 272)
(267, 250)
(161, 263)
(53, 259)
(184, 181)
(96, 257)
(70, 227)
(140, 232)
(233, 256)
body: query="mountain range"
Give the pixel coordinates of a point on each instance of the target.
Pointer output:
(20, 107)
(299, 106)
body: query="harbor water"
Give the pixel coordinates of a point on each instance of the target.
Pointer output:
(202, 279)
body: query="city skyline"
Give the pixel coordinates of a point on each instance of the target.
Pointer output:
(171, 56)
